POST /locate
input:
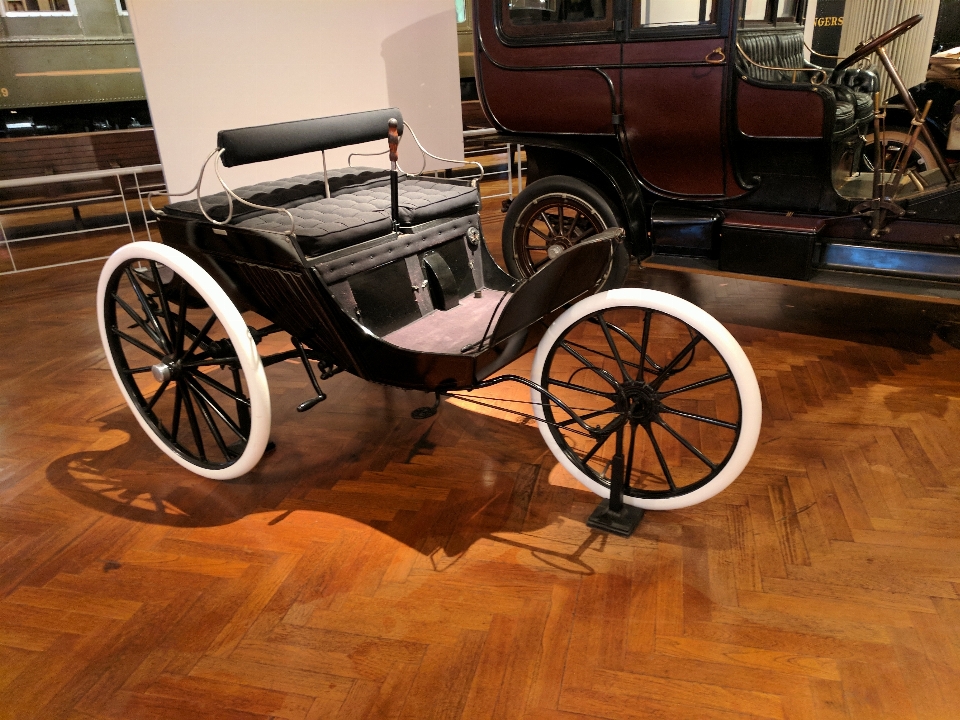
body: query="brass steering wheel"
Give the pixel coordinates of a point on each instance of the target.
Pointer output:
(865, 49)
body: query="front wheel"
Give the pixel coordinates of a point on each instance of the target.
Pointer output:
(553, 214)
(657, 376)
(184, 360)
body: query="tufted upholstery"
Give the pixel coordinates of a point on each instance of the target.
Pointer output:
(363, 213)
(279, 193)
(853, 92)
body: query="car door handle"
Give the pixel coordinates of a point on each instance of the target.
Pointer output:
(716, 57)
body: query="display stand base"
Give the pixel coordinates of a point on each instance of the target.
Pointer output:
(621, 523)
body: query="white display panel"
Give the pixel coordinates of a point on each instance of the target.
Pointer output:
(210, 65)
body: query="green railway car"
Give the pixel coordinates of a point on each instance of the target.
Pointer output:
(67, 66)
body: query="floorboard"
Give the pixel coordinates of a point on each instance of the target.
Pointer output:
(377, 566)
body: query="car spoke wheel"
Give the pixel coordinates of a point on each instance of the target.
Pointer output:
(660, 376)
(184, 360)
(921, 157)
(552, 215)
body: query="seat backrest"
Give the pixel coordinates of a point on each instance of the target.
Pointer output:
(774, 48)
(269, 142)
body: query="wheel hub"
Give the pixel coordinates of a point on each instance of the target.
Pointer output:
(642, 402)
(554, 250)
(164, 371)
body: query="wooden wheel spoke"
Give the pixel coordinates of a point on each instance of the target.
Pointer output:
(687, 444)
(537, 232)
(549, 225)
(699, 418)
(573, 225)
(697, 385)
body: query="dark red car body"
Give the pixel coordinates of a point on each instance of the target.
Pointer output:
(711, 153)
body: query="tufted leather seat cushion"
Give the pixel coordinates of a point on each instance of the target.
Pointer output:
(279, 193)
(854, 100)
(363, 213)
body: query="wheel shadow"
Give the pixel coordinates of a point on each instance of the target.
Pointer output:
(478, 478)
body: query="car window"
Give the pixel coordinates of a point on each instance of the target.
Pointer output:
(37, 7)
(660, 13)
(770, 10)
(523, 18)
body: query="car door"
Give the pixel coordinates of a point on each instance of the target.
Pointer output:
(549, 66)
(674, 73)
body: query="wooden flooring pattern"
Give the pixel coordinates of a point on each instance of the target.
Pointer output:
(376, 566)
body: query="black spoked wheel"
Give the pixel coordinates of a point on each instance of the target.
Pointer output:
(554, 214)
(184, 359)
(661, 379)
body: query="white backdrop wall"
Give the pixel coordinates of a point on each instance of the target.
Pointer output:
(210, 65)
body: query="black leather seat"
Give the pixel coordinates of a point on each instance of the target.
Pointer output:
(852, 90)
(357, 210)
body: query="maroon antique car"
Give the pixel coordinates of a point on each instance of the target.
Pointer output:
(699, 127)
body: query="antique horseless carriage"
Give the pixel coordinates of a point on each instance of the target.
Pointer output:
(642, 396)
(700, 129)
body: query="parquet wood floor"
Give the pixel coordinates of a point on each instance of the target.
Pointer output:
(375, 566)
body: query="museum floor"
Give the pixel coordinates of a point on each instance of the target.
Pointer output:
(377, 566)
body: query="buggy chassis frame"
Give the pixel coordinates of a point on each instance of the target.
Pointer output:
(591, 401)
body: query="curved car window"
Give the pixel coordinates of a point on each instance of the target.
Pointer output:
(523, 18)
(661, 13)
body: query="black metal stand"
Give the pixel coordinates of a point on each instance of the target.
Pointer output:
(427, 411)
(612, 516)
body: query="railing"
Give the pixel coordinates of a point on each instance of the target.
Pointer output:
(8, 261)
(10, 241)
(514, 159)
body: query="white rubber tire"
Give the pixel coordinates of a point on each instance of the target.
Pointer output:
(715, 333)
(246, 349)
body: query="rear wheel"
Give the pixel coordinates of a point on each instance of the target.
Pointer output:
(921, 157)
(661, 378)
(551, 215)
(184, 360)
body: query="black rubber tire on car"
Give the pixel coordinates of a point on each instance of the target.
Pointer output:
(537, 212)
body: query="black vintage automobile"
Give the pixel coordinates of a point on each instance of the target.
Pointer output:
(640, 395)
(700, 128)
